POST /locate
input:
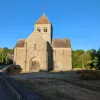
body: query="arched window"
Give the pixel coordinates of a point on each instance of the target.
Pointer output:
(45, 29)
(63, 52)
(34, 46)
(38, 29)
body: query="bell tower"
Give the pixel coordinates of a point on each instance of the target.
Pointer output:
(44, 27)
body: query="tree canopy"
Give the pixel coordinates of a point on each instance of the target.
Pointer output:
(4, 58)
(86, 59)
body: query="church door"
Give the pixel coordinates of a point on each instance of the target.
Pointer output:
(34, 66)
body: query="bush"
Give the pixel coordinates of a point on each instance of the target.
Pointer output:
(54, 71)
(86, 76)
(13, 69)
(89, 74)
(9, 69)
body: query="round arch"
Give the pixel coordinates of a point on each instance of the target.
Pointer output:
(34, 65)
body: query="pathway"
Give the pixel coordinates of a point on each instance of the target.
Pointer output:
(5, 92)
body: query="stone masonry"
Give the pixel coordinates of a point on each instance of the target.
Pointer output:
(42, 52)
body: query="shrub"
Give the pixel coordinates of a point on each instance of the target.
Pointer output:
(89, 74)
(54, 71)
(13, 69)
(10, 69)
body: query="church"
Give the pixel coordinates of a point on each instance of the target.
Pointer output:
(40, 51)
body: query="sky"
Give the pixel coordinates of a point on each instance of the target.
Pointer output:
(78, 20)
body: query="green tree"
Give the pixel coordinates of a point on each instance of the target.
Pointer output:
(86, 60)
(5, 50)
(2, 59)
(11, 51)
(76, 60)
(95, 62)
(7, 60)
(98, 55)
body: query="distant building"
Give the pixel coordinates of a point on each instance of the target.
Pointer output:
(41, 52)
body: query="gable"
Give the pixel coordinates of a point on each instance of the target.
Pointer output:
(36, 39)
(35, 36)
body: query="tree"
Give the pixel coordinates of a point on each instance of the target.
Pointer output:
(95, 62)
(81, 59)
(98, 55)
(86, 60)
(5, 50)
(3, 55)
(2, 59)
(7, 60)
(76, 60)
(11, 51)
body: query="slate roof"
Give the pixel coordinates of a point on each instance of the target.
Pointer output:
(61, 43)
(20, 43)
(43, 20)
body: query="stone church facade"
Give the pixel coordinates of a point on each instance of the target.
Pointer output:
(42, 52)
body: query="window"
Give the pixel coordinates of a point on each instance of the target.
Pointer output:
(63, 52)
(45, 29)
(38, 29)
(34, 46)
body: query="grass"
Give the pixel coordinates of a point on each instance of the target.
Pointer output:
(47, 89)
(53, 85)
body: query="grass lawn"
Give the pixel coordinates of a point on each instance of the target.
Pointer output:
(57, 86)
(47, 89)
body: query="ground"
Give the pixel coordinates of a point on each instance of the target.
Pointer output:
(60, 86)
(5, 92)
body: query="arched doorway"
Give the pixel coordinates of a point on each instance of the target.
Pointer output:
(34, 65)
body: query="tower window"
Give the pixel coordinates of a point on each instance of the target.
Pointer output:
(34, 46)
(38, 29)
(45, 29)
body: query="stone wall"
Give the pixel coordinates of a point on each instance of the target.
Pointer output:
(62, 59)
(39, 54)
(19, 57)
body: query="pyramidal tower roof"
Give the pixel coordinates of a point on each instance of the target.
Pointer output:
(43, 20)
